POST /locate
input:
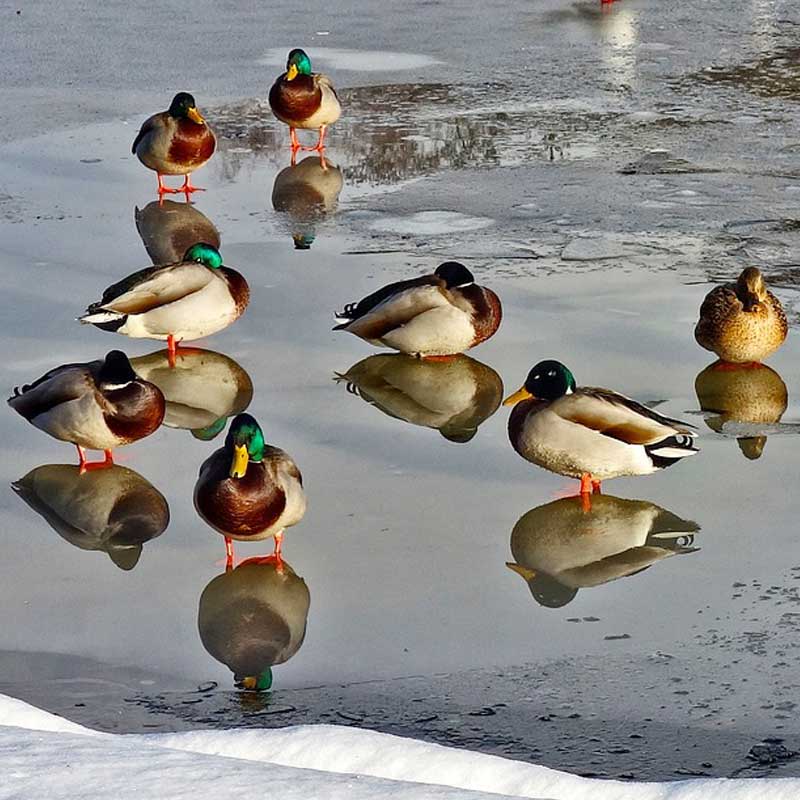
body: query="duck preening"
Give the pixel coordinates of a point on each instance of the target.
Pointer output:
(100, 405)
(434, 315)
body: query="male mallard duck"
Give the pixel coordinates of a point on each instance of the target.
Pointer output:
(453, 396)
(590, 433)
(254, 617)
(561, 547)
(99, 406)
(175, 142)
(188, 300)
(304, 99)
(168, 229)
(742, 394)
(202, 388)
(113, 510)
(742, 322)
(249, 490)
(306, 193)
(434, 315)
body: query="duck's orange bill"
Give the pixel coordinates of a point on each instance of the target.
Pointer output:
(250, 682)
(239, 463)
(518, 396)
(195, 116)
(291, 73)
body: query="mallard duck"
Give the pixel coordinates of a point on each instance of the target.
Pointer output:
(306, 192)
(177, 141)
(590, 433)
(112, 510)
(561, 547)
(202, 388)
(254, 617)
(188, 300)
(249, 490)
(453, 396)
(168, 229)
(434, 315)
(742, 322)
(741, 393)
(100, 405)
(304, 99)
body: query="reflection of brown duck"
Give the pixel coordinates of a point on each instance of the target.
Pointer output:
(202, 390)
(168, 229)
(307, 192)
(114, 509)
(560, 547)
(254, 617)
(742, 393)
(453, 396)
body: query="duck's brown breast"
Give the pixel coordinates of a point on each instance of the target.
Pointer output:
(295, 100)
(135, 411)
(191, 144)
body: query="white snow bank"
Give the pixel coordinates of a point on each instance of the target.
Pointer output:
(44, 756)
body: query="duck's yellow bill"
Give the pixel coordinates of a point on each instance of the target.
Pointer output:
(250, 683)
(518, 396)
(239, 463)
(292, 72)
(195, 116)
(527, 574)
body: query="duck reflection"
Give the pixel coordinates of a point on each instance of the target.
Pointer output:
(114, 510)
(254, 617)
(202, 390)
(168, 229)
(748, 393)
(307, 192)
(453, 396)
(560, 548)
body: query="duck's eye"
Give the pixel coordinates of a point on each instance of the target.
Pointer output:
(537, 376)
(551, 374)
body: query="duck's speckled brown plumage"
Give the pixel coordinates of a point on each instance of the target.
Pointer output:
(248, 508)
(742, 321)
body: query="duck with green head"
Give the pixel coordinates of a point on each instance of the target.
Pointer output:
(591, 433)
(177, 141)
(184, 301)
(249, 490)
(304, 99)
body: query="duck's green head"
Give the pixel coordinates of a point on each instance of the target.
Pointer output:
(298, 63)
(205, 254)
(210, 431)
(255, 683)
(548, 380)
(244, 443)
(303, 241)
(183, 107)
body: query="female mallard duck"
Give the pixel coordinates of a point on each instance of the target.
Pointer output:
(188, 300)
(248, 490)
(434, 315)
(590, 433)
(561, 547)
(304, 99)
(175, 142)
(453, 396)
(742, 322)
(168, 229)
(254, 617)
(99, 406)
(202, 388)
(114, 510)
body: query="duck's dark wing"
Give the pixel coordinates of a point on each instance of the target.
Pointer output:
(60, 385)
(353, 311)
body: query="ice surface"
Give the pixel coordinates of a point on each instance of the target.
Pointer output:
(43, 755)
(332, 58)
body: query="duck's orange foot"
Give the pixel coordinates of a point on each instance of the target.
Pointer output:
(187, 188)
(86, 466)
(731, 366)
(162, 189)
(438, 358)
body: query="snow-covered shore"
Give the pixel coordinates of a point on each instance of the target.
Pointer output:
(45, 756)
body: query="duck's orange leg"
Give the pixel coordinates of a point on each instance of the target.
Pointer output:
(586, 483)
(596, 488)
(85, 465)
(172, 349)
(162, 189)
(293, 136)
(320, 145)
(187, 187)
(276, 554)
(228, 554)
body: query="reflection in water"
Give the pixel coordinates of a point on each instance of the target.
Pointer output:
(741, 393)
(306, 193)
(560, 547)
(113, 509)
(168, 229)
(202, 390)
(254, 617)
(453, 396)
